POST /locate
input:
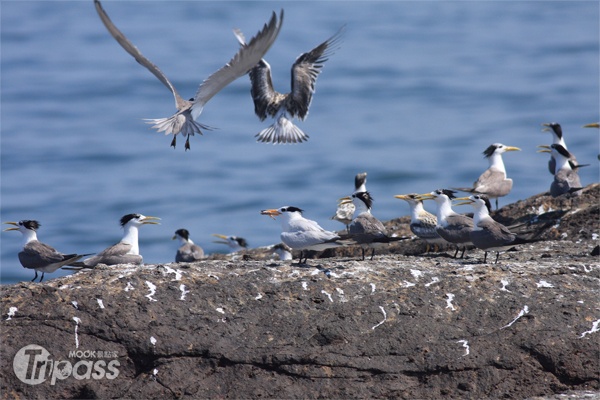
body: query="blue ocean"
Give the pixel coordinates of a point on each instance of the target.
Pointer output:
(414, 94)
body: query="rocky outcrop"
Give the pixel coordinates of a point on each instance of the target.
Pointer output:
(400, 326)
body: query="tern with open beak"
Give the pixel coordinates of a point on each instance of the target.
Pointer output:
(37, 255)
(127, 251)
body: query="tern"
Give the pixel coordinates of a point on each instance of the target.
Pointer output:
(557, 138)
(487, 234)
(345, 209)
(566, 180)
(283, 107)
(188, 252)
(422, 223)
(127, 251)
(37, 255)
(235, 243)
(300, 233)
(283, 252)
(365, 229)
(493, 182)
(453, 227)
(184, 120)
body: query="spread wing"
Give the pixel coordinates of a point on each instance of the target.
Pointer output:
(245, 59)
(305, 71)
(139, 57)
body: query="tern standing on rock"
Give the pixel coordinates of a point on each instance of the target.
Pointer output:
(453, 227)
(557, 138)
(345, 209)
(284, 107)
(37, 255)
(300, 233)
(487, 234)
(188, 251)
(566, 180)
(127, 251)
(493, 182)
(184, 121)
(365, 229)
(235, 243)
(422, 223)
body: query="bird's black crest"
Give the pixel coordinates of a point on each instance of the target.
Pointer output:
(241, 241)
(365, 197)
(447, 192)
(561, 150)
(30, 224)
(292, 209)
(486, 200)
(184, 233)
(126, 218)
(490, 150)
(556, 128)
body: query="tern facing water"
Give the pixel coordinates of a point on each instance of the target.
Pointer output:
(37, 255)
(184, 120)
(283, 107)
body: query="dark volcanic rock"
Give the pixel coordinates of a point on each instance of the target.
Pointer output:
(400, 326)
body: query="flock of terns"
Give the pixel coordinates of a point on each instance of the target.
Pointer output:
(298, 233)
(362, 228)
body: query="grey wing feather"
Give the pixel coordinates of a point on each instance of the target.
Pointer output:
(246, 58)
(305, 71)
(116, 254)
(139, 57)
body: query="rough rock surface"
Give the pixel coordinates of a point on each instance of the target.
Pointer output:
(401, 326)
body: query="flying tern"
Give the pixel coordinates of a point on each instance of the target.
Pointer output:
(37, 255)
(300, 233)
(487, 234)
(184, 120)
(127, 251)
(188, 251)
(422, 223)
(235, 243)
(493, 182)
(345, 208)
(365, 229)
(566, 180)
(283, 107)
(453, 227)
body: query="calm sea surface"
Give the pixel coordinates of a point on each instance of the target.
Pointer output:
(414, 94)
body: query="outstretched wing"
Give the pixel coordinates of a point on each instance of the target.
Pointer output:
(139, 57)
(305, 71)
(247, 57)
